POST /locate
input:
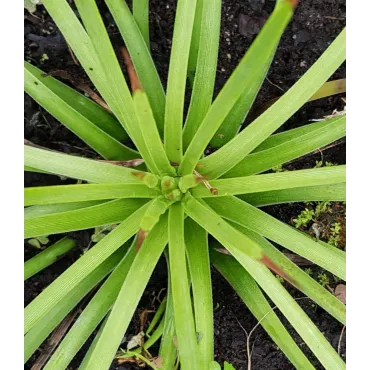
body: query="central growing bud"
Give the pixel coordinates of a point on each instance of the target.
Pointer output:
(173, 190)
(170, 188)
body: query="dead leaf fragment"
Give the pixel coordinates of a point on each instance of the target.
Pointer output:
(157, 362)
(340, 292)
(135, 341)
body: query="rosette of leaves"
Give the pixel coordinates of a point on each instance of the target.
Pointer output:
(179, 201)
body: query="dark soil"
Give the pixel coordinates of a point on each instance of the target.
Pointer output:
(314, 26)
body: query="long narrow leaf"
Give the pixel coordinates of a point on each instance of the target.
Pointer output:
(168, 350)
(98, 34)
(49, 322)
(205, 38)
(196, 242)
(336, 192)
(235, 150)
(91, 134)
(195, 40)
(220, 229)
(282, 137)
(242, 76)
(47, 257)
(329, 88)
(185, 14)
(232, 123)
(311, 335)
(85, 192)
(140, 54)
(92, 315)
(150, 133)
(83, 105)
(128, 297)
(56, 291)
(274, 181)
(182, 305)
(97, 57)
(140, 10)
(84, 218)
(246, 287)
(328, 257)
(48, 209)
(79, 168)
(264, 160)
(304, 282)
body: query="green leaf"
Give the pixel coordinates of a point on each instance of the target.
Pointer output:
(92, 315)
(220, 229)
(242, 76)
(92, 135)
(205, 38)
(132, 289)
(273, 181)
(292, 149)
(150, 133)
(80, 219)
(182, 305)
(282, 137)
(335, 192)
(168, 350)
(139, 51)
(85, 192)
(246, 287)
(58, 289)
(326, 256)
(311, 335)
(254, 134)
(195, 40)
(50, 321)
(79, 168)
(95, 53)
(47, 257)
(304, 282)
(232, 123)
(48, 209)
(196, 242)
(185, 13)
(158, 315)
(140, 10)
(93, 112)
(329, 88)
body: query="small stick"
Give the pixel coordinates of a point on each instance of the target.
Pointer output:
(340, 339)
(55, 339)
(333, 145)
(94, 96)
(75, 61)
(249, 352)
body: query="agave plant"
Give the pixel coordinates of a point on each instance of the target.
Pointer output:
(151, 176)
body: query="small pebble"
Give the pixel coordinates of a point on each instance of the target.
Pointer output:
(256, 5)
(302, 37)
(250, 26)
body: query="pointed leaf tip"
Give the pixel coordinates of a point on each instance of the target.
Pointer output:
(294, 3)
